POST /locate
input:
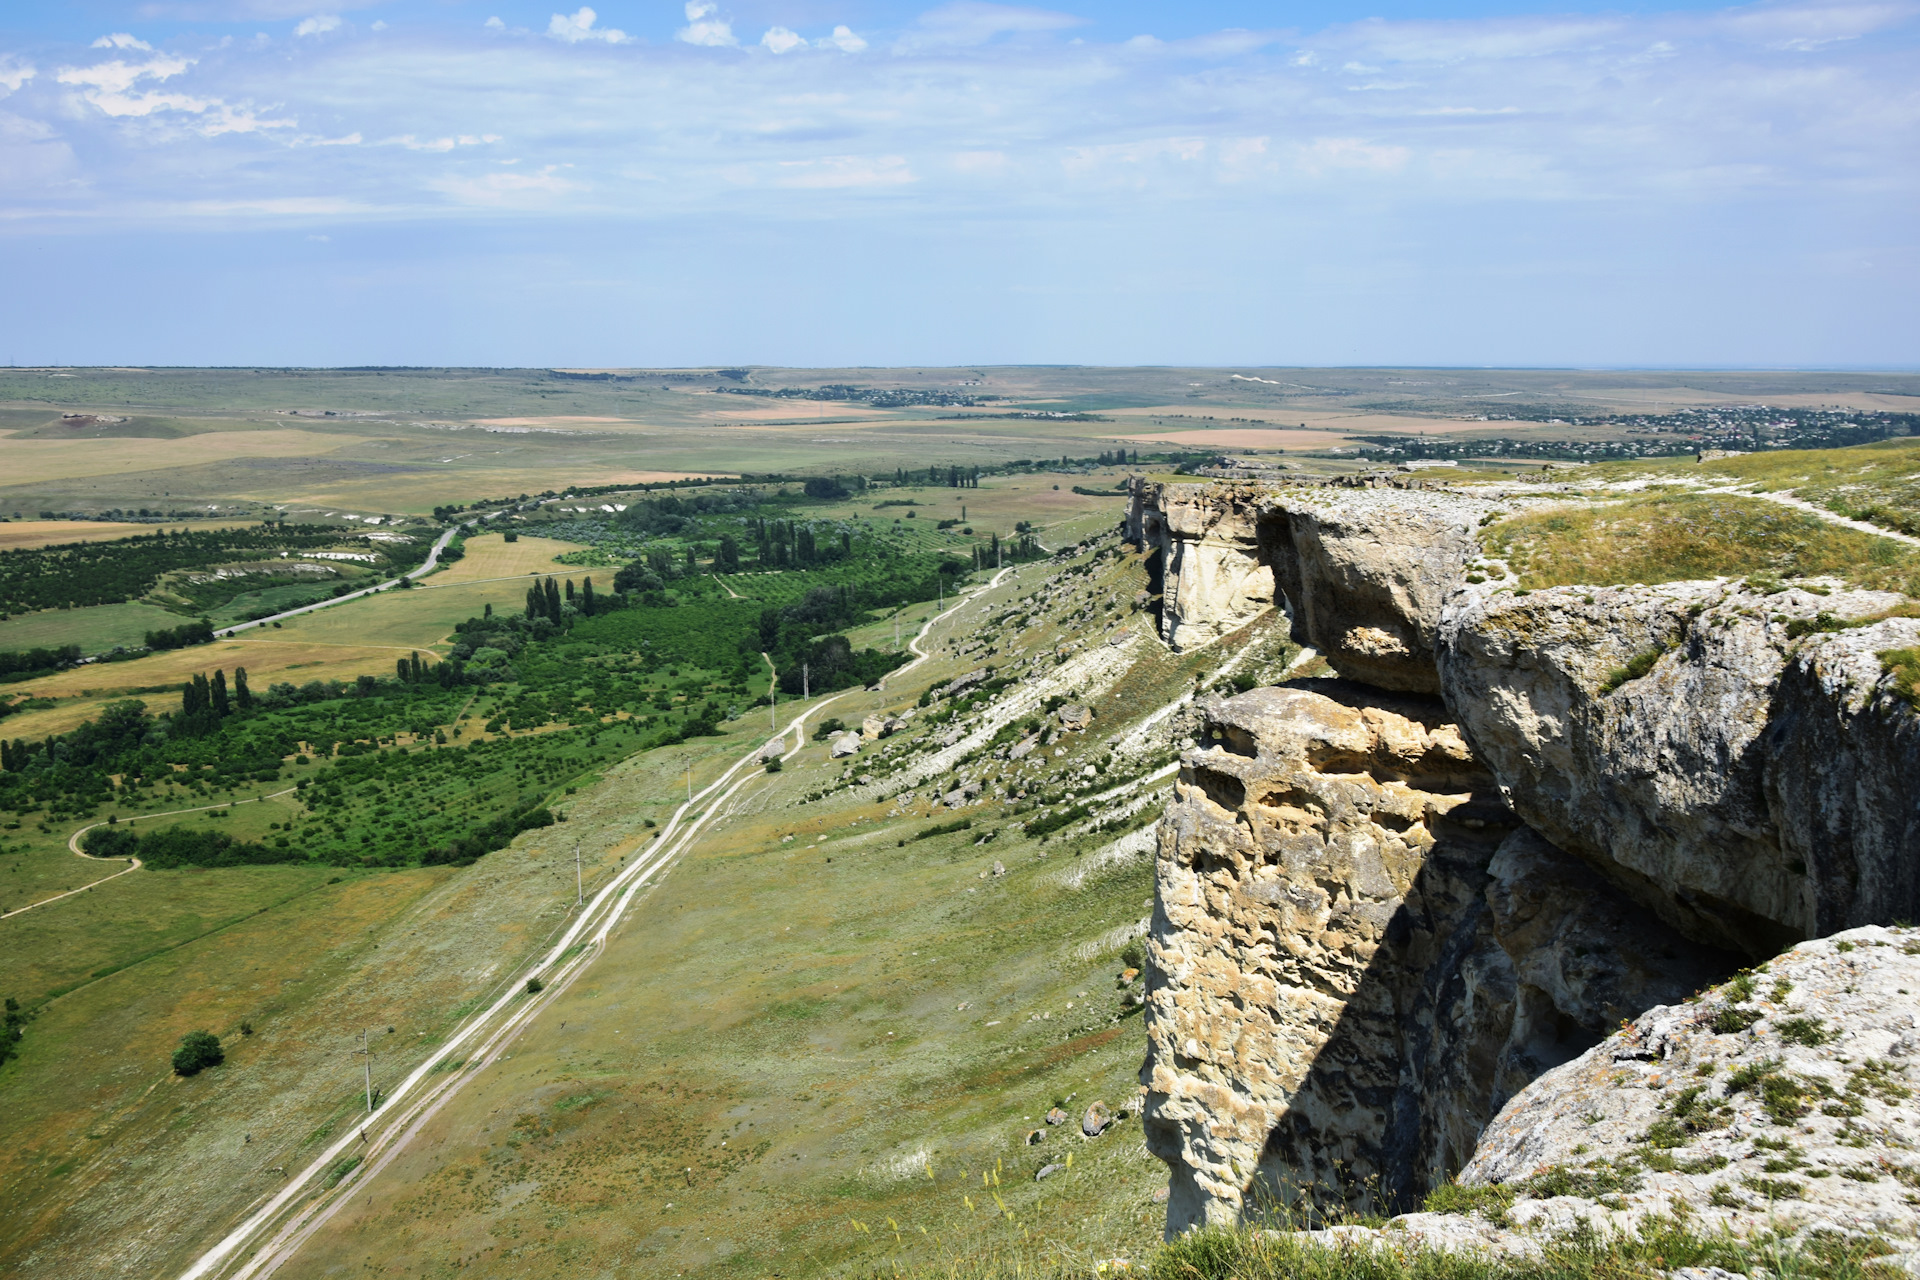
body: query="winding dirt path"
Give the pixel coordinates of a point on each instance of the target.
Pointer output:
(73, 843)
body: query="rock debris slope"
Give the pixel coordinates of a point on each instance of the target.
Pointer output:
(1382, 913)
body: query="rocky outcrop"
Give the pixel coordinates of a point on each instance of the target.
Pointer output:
(1751, 785)
(1784, 1100)
(1380, 914)
(1333, 1010)
(1211, 577)
(1366, 574)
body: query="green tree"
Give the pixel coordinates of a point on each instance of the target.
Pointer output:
(198, 1050)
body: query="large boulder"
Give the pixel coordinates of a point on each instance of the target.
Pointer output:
(1746, 779)
(844, 744)
(1366, 573)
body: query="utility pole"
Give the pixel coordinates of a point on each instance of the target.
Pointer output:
(579, 893)
(806, 680)
(689, 782)
(896, 633)
(366, 1061)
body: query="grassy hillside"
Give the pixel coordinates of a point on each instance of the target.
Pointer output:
(817, 1020)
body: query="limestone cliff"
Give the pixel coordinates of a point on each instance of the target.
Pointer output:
(1351, 969)
(1380, 914)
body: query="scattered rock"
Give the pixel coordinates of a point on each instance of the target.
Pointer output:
(1098, 1118)
(1047, 1171)
(999, 870)
(873, 727)
(1036, 1136)
(1159, 1195)
(865, 779)
(1057, 1116)
(845, 744)
(1024, 747)
(1074, 717)
(773, 750)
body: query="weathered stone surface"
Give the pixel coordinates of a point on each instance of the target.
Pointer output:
(1212, 577)
(844, 744)
(1354, 964)
(1075, 717)
(873, 727)
(1095, 1122)
(1366, 573)
(773, 750)
(1687, 1113)
(1750, 787)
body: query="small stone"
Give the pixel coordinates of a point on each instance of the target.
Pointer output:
(999, 869)
(1056, 1116)
(1047, 1171)
(1036, 1136)
(1097, 1119)
(773, 750)
(1160, 1194)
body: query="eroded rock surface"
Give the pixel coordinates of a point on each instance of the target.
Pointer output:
(1751, 786)
(1366, 574)
(1331, 1009)
(1212, 579)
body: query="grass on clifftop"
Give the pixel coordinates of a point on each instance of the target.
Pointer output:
(1659, 1248)
(1674, 537)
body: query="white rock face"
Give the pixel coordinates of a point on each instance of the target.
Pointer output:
(773, 750)
(844, 744)
(1212, 577)
(1754, 786)
(1332, 1008)
(1366, 572)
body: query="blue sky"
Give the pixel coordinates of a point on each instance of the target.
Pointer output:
(857, 182)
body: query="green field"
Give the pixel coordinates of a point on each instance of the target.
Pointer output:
(96, 628)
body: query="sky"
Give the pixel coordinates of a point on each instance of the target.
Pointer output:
(861, 182)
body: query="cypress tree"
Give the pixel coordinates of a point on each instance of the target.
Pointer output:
(242, 695)
(402, 671)
(220, 704)
(569, 590)
(553, 601)
(586, 596)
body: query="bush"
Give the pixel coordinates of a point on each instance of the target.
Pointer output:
(534, 986)
(773, 765)
(198, 1050)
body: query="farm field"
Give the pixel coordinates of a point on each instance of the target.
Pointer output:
(95, 628)
(47, 533)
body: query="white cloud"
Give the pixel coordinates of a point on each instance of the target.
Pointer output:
(705, 26)
(111, 87)
(579, 26)
(781, 40)
(843, 39)
(379, 24)
(494, 24)
(14, 73)
(318, 24)
(121, 40)
(412, 143)
(321, 239)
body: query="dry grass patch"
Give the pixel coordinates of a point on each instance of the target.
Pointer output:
(1675, 537)
(490, 555)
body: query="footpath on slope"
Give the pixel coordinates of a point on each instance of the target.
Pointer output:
(418, 1097)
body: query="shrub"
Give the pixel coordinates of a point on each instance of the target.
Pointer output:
(534, 986)
(198, 1050)
(773, 765)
